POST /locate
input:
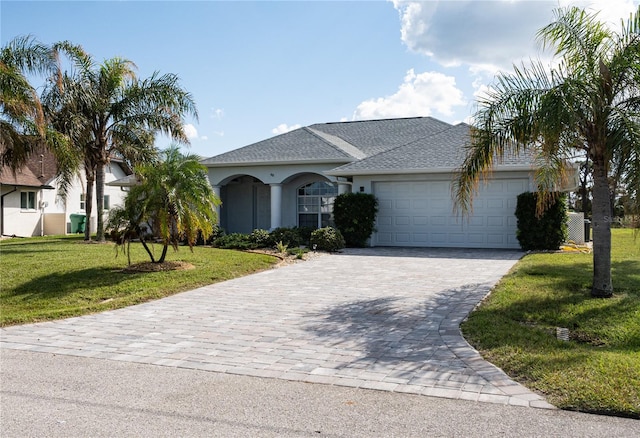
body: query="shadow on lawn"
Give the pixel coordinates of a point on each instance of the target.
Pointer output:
(60, 284)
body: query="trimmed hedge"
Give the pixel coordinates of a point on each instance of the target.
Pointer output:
(546, 232)
(354, 215)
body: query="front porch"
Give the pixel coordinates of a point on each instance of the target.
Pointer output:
(302, 199)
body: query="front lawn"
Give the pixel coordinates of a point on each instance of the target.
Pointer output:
(58, 277)
(598, 369)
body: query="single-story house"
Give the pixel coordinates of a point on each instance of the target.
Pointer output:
(408, 164)
(30, 204)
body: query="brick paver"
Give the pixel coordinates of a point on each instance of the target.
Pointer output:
(384, 319)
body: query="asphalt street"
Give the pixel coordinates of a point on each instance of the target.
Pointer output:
(47, 395)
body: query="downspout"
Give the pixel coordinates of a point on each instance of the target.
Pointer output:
(15, 189)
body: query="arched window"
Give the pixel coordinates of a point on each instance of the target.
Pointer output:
(315, 204)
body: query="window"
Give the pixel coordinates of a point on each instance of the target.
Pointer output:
(106, 203)
(27, 200)
(315, 204)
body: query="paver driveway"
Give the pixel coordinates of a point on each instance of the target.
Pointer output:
(385, 319)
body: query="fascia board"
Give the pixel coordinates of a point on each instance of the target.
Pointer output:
(279, 163)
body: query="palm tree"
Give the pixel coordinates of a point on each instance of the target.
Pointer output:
(589, 102)
(172, 202)
(24, 129)
(108, 111)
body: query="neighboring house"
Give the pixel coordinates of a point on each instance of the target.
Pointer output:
(32, 206)
(292, 180)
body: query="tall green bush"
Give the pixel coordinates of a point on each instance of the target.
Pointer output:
(354, 215)
(545, 232)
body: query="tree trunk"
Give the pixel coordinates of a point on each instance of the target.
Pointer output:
(100, 201)
(164, 253)
(88, 201)
(584, 191)
(601, 225)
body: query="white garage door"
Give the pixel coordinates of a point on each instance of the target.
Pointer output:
(420, 213)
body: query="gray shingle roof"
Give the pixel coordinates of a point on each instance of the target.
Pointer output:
(298, 145)
(444, 150)
(375, 136)
(401, 145)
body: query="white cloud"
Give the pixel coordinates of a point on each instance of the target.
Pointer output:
(190, 131)
(217, 113)
(488, 35)
(609, 11)
(283, 127)
(419, 95)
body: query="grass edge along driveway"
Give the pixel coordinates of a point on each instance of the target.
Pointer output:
(598, 369)
(60, 277)
(515, 328)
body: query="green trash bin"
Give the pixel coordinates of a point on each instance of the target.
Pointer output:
(77, 223)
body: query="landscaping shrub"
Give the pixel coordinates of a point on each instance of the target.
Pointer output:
(234, 241)
(216, 232)
(546, 232)
(288, 236)
(327, 239)
(305, 234)
(261, 238)
(354, 215)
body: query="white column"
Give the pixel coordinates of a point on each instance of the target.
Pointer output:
(276, 206)
(216, 191)
(343, 187)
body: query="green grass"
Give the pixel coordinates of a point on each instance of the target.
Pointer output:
(598, 370)
(58, 277)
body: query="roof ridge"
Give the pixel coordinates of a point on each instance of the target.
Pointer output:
(355, 152)
(324, 140)
(377, 120)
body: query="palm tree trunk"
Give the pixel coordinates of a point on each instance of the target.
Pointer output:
(100, 201)
(88, 201)
(164, 253)
(601, 223)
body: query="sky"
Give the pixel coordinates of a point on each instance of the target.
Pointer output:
(257, 69)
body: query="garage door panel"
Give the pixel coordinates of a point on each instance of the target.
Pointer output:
(420, 213)
(420, 220)
(496, 239)
(421, 237)
(495, 203)
(419, 204)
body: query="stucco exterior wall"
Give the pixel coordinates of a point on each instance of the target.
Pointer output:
(18, 222)
(50, 204)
